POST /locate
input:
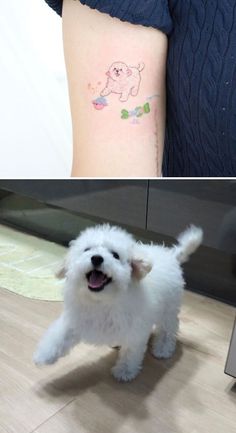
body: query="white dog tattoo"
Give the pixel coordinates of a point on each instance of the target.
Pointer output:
(124, 80)
(119, 292)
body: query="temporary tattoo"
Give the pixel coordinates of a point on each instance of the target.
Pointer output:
(137, 112)
(94, 87)
(99, 103)
(123, 80)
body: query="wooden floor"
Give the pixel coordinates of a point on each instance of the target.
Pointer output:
(188, 394)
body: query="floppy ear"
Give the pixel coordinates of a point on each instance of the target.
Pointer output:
(140, 268)
(61, 270)
(129, 72)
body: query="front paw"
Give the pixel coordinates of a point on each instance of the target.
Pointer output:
(44, 357)
(124, 98)
(124, 373)
(162, 350)
(105, 92)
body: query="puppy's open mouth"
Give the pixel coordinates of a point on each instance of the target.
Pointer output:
(97, 280)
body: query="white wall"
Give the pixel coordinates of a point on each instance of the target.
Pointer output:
(35, 129)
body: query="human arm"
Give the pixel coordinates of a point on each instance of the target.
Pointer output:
(118, 124)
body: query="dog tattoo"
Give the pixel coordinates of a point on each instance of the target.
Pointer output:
(123, 80)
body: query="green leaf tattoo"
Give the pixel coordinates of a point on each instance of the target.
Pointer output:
(146, 108)
(124, 114)
(137, 112)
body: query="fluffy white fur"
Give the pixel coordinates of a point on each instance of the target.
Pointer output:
(143, 298)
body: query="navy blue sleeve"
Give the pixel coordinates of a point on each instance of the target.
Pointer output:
(151, 13)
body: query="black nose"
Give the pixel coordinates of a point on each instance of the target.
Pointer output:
(96, 260)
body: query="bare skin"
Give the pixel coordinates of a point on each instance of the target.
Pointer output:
(116, 78)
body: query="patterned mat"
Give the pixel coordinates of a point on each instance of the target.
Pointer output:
(28, 265)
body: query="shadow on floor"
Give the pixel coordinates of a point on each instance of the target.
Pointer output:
(102, 404)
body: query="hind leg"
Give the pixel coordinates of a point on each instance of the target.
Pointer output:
(134, 90)
(164, 342)
(124, 96)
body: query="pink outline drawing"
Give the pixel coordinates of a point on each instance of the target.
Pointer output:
(123, 80)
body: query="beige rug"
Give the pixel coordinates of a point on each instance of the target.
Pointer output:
(28, 265)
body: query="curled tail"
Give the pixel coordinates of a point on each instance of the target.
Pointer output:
(189, 241)
(140, 66)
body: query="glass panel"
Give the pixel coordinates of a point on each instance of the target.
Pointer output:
(122, 201)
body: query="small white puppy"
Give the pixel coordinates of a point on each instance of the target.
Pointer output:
(118, 292)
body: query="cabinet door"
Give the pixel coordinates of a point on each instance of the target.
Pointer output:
(210, 204)
(121, 202)
(230, 367)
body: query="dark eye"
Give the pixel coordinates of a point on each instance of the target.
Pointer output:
(115, 255)
(86, 249)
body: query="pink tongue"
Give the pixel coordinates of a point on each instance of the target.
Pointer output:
(96, 279)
